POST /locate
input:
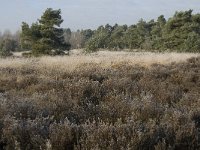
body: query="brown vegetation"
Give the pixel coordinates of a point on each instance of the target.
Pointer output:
(45, 105)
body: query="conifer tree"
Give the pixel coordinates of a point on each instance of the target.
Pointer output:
(46, 35)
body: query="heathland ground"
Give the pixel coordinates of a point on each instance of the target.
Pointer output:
(103, 100)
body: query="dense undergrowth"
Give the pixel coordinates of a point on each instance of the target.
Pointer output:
(121, 107)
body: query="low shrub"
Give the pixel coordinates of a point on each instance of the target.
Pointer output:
(121, 107)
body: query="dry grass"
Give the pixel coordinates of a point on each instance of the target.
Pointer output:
(105, 59)
(107, 100)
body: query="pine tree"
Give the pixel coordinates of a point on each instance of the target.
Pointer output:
(46, 35)
(177, 30)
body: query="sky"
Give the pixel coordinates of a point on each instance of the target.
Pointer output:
(84, 14)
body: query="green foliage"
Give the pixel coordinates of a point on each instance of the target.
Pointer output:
(6, 47)
(40, 48)
(117, 38)
(106, 37)
(87, 34)
(99, 40)
(91, 45)
(45, 36)
(180, 33)
(177, 30)
(28, 37)
(192, 43)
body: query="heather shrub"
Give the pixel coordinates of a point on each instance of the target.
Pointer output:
(121, 107)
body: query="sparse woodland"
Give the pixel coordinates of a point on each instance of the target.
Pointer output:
(107, 102)
(180, 33)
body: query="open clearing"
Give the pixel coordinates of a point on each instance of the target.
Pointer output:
(105, 59)
(105, 100)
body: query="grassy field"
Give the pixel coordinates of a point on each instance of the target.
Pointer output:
(104, 100)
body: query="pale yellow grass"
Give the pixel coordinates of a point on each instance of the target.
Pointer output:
(103, 59)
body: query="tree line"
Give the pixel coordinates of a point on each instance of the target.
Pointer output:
(179, 33)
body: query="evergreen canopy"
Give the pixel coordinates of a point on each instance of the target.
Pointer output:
(45, 35)
(180, 32)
